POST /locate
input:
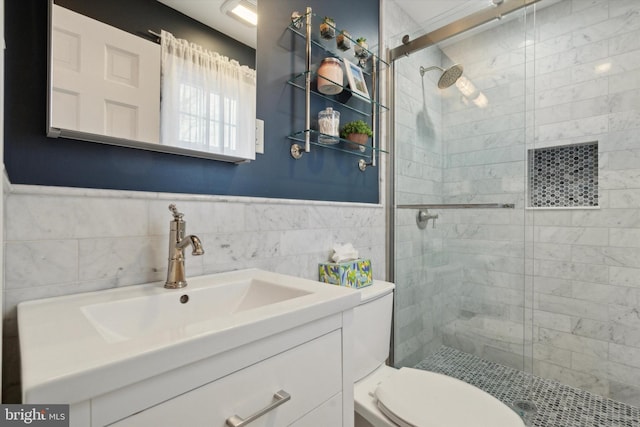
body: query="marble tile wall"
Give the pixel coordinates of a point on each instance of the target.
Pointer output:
(549, 291)
(62, 241)
(570, 276)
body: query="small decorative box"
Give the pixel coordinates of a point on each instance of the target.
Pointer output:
(353, 274)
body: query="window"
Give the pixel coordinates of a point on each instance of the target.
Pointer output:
(208, 101)
(207, 119)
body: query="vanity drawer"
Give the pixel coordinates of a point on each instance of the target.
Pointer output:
(311, 373)
(328, 414)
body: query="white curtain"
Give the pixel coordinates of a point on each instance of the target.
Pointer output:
(208, 101)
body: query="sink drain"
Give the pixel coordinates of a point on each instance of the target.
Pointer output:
(525, 408)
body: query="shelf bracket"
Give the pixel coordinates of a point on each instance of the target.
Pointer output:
(296, 19)
(296, 151)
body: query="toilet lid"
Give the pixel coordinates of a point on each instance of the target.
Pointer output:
(418, 398)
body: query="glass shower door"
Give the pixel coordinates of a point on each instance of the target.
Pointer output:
(459, 164)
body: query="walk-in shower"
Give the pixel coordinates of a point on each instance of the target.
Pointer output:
(448, 76)
(534, 260)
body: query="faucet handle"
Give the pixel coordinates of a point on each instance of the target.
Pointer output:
(174, 210)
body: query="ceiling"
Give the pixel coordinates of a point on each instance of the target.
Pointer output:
(428, 14)
(433, 13)
(209, 13)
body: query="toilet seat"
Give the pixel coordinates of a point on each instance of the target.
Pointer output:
(417, 398)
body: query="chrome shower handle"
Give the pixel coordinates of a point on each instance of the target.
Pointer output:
(423, 217)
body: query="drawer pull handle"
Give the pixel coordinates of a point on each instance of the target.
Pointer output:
(278, 399)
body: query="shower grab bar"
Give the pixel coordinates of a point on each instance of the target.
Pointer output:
(460, 206)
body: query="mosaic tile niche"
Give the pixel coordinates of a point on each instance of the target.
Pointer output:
(565, 176)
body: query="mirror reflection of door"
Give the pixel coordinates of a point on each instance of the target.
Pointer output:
(105, 69)
(104, 81)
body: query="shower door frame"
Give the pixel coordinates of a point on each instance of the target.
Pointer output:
(457, 27)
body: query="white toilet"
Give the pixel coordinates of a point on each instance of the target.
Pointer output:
(387, 397)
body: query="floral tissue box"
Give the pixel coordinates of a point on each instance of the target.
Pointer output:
(353, 274)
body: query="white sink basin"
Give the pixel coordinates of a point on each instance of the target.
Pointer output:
(134, 317)
(77, 346)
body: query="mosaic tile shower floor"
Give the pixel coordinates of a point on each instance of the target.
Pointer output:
(558, 405)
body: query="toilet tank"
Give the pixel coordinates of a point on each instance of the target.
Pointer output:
(372, 328)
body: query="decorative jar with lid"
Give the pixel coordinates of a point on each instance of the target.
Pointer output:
(330, 76)
(329, 126)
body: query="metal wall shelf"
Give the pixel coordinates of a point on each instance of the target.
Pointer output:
(308, 136)
(299, 79)
(299, 23)
(343, 145)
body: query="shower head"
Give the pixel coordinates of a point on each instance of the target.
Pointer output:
(448, 77)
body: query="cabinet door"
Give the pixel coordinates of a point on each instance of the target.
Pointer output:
(311, 373)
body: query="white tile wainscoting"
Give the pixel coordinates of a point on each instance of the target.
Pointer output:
(61, 241)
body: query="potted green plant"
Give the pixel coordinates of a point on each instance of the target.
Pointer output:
(343, 40)
(328, 28)
(361, 47)
(356, 131)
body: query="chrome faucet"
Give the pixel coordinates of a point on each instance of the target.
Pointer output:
(177, 244)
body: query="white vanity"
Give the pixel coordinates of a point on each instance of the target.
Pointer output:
(227, 347)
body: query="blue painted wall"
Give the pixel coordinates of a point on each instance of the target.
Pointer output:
(32, 158)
